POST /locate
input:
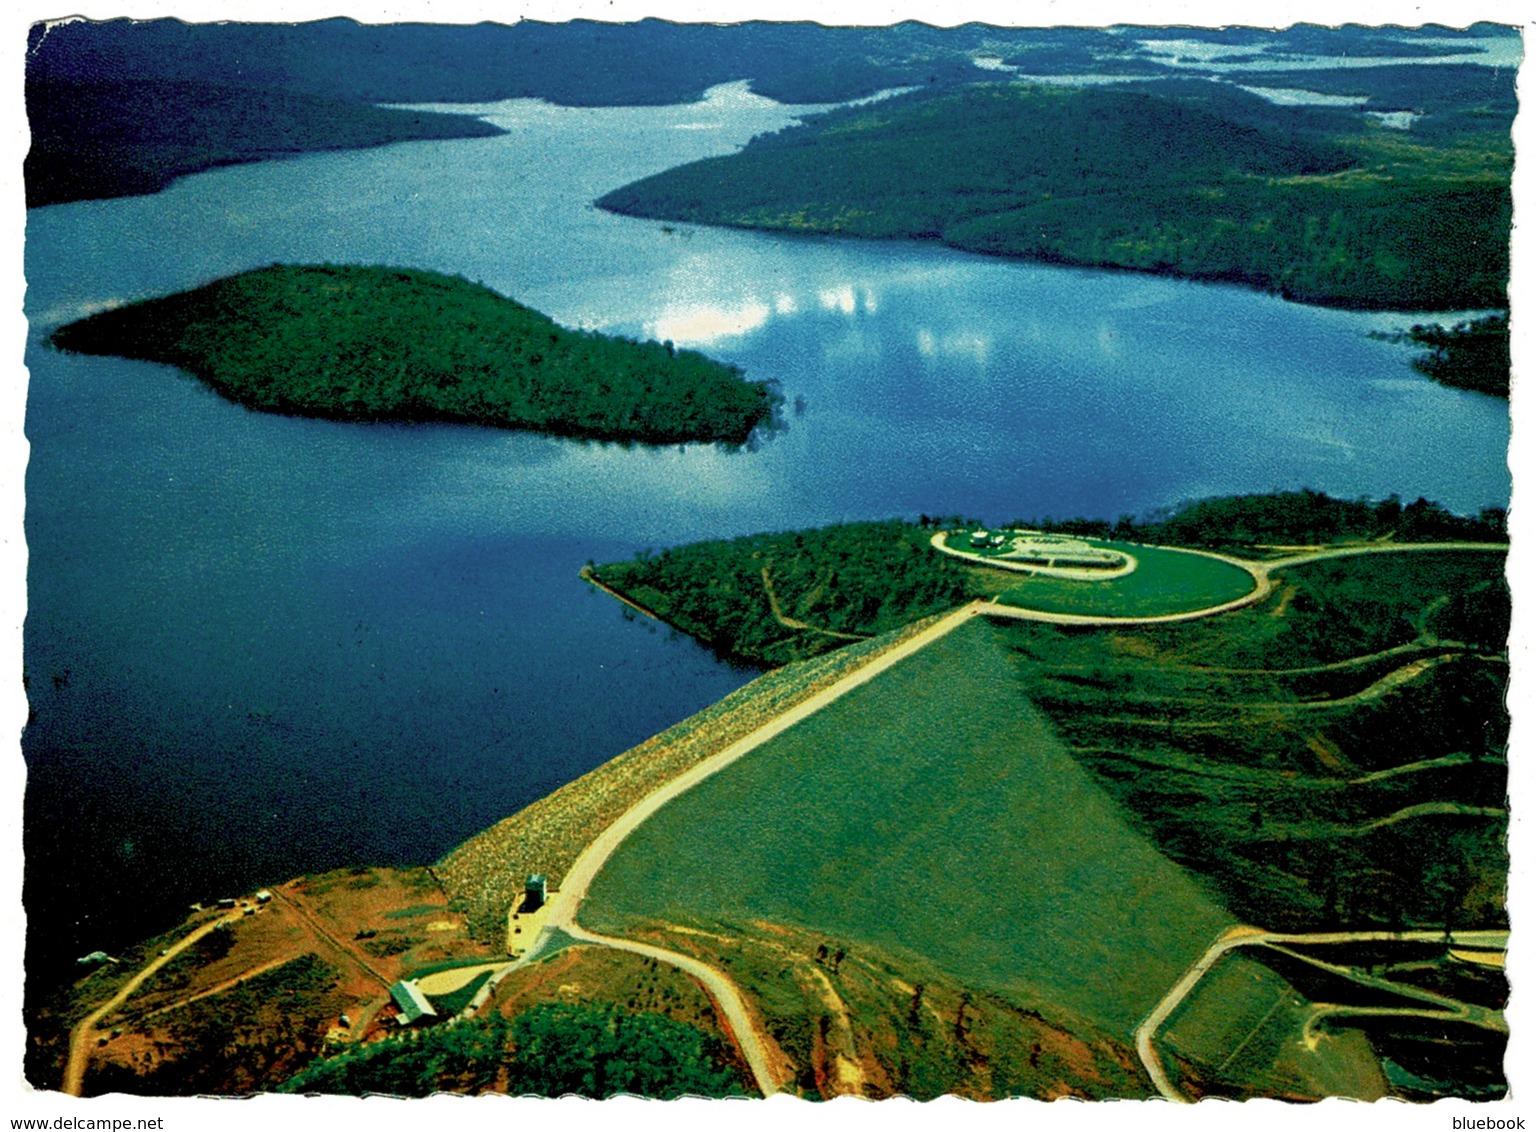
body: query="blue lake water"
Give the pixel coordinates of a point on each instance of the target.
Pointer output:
(258, 645)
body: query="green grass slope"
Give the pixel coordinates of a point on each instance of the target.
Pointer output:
(934, 813)
(1193, 180)
(378, 343)
(1241, 1027)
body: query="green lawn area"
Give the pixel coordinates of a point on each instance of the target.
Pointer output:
(931, 812)
(1164, 581)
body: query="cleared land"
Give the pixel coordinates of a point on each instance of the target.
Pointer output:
(932, 813)
(241, 999)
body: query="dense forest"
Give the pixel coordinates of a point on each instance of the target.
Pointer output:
(375, 343)
(1193, 179)
(553, 1049)
(120, 138)
(772, 598)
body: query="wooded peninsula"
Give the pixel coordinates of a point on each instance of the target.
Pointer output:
(378, 343)
(769, 599)
(1185, 178)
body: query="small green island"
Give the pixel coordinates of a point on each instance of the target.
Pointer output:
(391, 344)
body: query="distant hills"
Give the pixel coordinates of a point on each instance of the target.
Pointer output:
(120, 107)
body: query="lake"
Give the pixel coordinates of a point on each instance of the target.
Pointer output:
(257, 646)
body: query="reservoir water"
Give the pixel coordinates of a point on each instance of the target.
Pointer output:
(257, 646)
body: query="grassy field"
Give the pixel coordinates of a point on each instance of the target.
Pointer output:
(933, 813)
(456, 1000)
(1164, 581)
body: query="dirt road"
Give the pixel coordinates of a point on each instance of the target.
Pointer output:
(85, 1031)
(794, 622)
(732, 1006)
(350, 954)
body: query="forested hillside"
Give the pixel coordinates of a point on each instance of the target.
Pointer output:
(1188, 179)
(375, 343)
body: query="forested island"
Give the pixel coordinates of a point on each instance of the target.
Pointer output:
(378, 343)
(1188, 178)
(773, 598)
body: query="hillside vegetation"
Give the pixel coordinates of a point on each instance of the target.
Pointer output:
(859, 1020)
(1332, 757)
(1191, 180)
(376, 343)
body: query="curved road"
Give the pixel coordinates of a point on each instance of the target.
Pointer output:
(1245, 936)
(728, 998)
(565, 905)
